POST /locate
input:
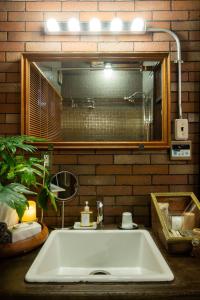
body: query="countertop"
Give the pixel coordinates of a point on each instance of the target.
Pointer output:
(186, 284)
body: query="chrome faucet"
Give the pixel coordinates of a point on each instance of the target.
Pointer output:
(99, 213)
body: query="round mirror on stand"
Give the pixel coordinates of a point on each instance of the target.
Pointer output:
(65, 185)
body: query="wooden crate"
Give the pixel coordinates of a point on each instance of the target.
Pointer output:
(177, 204)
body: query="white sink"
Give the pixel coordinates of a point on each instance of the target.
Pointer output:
(99, 256)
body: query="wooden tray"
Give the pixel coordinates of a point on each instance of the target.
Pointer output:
(23, 246)
(177, 201)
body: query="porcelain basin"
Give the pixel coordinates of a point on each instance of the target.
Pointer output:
(99, 256)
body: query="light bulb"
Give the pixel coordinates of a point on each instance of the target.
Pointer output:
(116, 24)
(108, 70)
(95, 24)
(73, 25)
(52, 25)
(138, 24)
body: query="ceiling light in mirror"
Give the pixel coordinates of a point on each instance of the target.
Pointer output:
(95, 24)
(74, 25)
(116, 25)
(108, 70)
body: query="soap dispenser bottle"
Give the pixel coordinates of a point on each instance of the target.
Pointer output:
(86, 216)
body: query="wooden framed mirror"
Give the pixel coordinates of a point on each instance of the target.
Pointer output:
(97, 100)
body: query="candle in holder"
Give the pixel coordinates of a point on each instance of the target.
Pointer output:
(30, 212)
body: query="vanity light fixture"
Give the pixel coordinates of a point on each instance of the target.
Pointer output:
(116, 25)
(52, 25)
(95, 27)
(73, 25)
(138, 25)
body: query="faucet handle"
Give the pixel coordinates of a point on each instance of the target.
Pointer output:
(99, 212)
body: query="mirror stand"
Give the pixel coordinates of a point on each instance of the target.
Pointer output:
(65, 185)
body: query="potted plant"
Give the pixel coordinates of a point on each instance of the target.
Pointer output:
(22, 174)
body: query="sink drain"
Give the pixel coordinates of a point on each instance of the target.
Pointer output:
(99, 272)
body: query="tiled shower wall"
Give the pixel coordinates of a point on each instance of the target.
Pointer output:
(123, 179)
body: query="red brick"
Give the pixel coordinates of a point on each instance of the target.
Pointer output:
(169, 179)
(194, 76)
(12, 26)
(79, 6)
(160, 36)
(95, 159)
(129, 16)
(9, 67)
(116, 6)
(11, 129)
(170, 15)
(2, 56)
(3, 36)
(87, 190)
(60, 16)
(194, 15)
(181, 188)
(132, 159)
(103, 16)
(43, 6)
(120, 46)
(2, 119)
(12, 6)
(150, 169)
(133, 180)
(12, 118)
(25, 36)
(9, 88)
(7, 108)
(147, 189)
(80, 169)
(3, 16)
(13, 98)
(64, 159)
(13, 77)
(25, 16)
(187, 46)
(156, 24)
(11, 46)
(32, 46)
(13, 56)
(186, 25)
(151, 46)
(191, 66)
(80, 46)
(152, 5)
(114, 190)
(184, 169)
(34, 26)
(2, 77)
(186, 5)
(194, 35)
(96, 180)
(113, 169)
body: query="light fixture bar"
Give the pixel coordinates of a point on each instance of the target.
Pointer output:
(104, 29)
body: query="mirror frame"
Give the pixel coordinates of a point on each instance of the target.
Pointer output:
(28, 58)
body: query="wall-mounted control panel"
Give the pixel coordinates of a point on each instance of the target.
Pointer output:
(181, 150)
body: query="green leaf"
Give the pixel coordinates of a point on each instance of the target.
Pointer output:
(12, 195)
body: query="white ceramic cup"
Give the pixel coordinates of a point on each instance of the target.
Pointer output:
(127, 221)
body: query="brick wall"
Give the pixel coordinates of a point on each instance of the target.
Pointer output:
(122, 178)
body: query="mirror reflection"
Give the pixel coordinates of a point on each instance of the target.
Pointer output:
(105, 100)
(97, 100)
(65, 185)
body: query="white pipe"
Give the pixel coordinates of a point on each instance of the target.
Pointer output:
(178, 61)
